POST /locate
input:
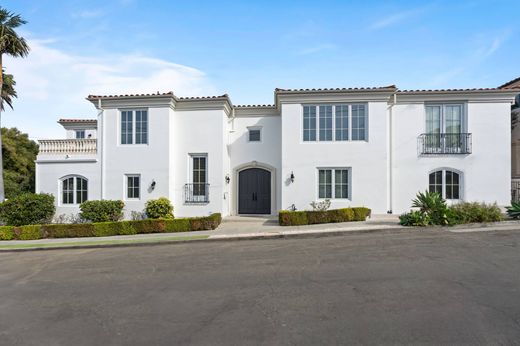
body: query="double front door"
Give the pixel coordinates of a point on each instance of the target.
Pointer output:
(254, 191)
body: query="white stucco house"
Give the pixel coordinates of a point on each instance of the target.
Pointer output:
(373, 147)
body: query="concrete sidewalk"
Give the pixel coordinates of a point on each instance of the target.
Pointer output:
(244, 227)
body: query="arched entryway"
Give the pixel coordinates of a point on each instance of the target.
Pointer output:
(254, 191)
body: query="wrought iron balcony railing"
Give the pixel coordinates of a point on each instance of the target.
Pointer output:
(444, 143)
(195, 193)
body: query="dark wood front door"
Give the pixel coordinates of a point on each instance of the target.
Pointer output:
(254, 191)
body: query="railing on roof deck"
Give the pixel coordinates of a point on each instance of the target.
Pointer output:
(68, 146)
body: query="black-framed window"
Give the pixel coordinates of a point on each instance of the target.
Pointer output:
(134, 127)
(447, 183)
(74, 190)
(333, 183)
(133, 186)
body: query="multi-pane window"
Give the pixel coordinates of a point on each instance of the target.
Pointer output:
(134, 127)
(309, 123)
(255, 135)
(335, 122)
(333, 183)
(447, 183)
(444, 126)
(80, 134)
(74, 190)
(325, 123)
(199, 174)
(133, 186)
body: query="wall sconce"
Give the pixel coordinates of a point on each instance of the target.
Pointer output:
(228, 179)
(152, 185)
(292, 177)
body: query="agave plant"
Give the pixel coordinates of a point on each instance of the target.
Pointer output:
(433, 205)
(514, 210)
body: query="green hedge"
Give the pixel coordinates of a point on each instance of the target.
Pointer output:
(102, 210)
(297, 218)
(103, 229)
(27, 209)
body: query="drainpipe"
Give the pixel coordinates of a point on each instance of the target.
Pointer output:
(390, 154)
(101, 121)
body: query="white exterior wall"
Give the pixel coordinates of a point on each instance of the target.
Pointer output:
(263, 154)
(70, 132)
(199, 132)
(151, 161)
(486, 171)
(367, 160)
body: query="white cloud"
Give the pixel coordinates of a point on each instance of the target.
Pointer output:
(52, 83)
(395, 18)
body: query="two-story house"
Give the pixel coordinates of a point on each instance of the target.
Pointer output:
(374, 147)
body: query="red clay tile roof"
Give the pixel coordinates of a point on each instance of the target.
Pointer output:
(389, 88)
(77, 121)
(224, 96)
(449, 90)
(510, 84)
(95, 97)
(255, 106)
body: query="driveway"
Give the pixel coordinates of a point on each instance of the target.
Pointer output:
(385, 288)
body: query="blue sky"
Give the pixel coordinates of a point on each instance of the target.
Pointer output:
(247, 49)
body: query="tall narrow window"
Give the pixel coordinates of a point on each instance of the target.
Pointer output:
(309, 123)
(359, 122)
(127, 127)
(342, 123)
(340, 183)
(141, 127)
(325, 123)
(444, 127)
(74, 190)
(134, 127)
(325, 183)
(133, 186)
(447, 183)
(199, 175)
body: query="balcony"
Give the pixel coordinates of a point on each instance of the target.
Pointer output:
(196, 193)
(68, 146)
(444, 143)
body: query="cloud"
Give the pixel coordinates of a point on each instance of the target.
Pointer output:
(395, 19)
(52, 83)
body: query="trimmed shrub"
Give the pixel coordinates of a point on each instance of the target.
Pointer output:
(28, 232)
(205, 223)
(105, 229)
(296, 218)
(7, 233)
(466, 212)
(102, 210)
(28, 209)
(159, 208)
(149, 226)
(178, 225)
(68, 230)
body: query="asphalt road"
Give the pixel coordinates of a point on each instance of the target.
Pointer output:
(385, 288)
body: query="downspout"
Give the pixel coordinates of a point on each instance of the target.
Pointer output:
(390, 154)
(101, 121)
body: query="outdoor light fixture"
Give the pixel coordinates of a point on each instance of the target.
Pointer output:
(227, 179)
(152, 185)
(292, 177)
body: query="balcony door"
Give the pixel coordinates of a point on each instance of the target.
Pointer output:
(444, 126)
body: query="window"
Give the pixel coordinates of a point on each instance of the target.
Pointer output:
(255, 134)
(199, 174)
(80, 134)
(447, 183)
(333, 177)
(444, 127)
(74, 190)
(133, 186)
(134, 127)
(335, 123)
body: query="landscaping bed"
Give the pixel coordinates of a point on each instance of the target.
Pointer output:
(103, 229)
(311, 217)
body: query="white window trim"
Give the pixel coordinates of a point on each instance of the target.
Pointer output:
(442, 105)
(259, 128)
(125, 185)
(134, 126)
(333, 182)
(349, 105)
(191, 156)
(461, 183)
(74, 190)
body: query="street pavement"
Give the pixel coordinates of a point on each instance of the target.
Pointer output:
(395, 287)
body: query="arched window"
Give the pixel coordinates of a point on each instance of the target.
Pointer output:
(74, 190)
(447, 183)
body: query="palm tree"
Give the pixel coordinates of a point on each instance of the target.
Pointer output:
(13, 45)
(8, 92)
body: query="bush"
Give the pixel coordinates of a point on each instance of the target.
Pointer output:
(102, 211)
(433, 205)
(467, 212)
(321, 206)
(159, 208)
(514, 210)
(296, 218)
(28, 209)
(103, 229)
(414, 218)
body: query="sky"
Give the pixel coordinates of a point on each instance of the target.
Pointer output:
(248, 48)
